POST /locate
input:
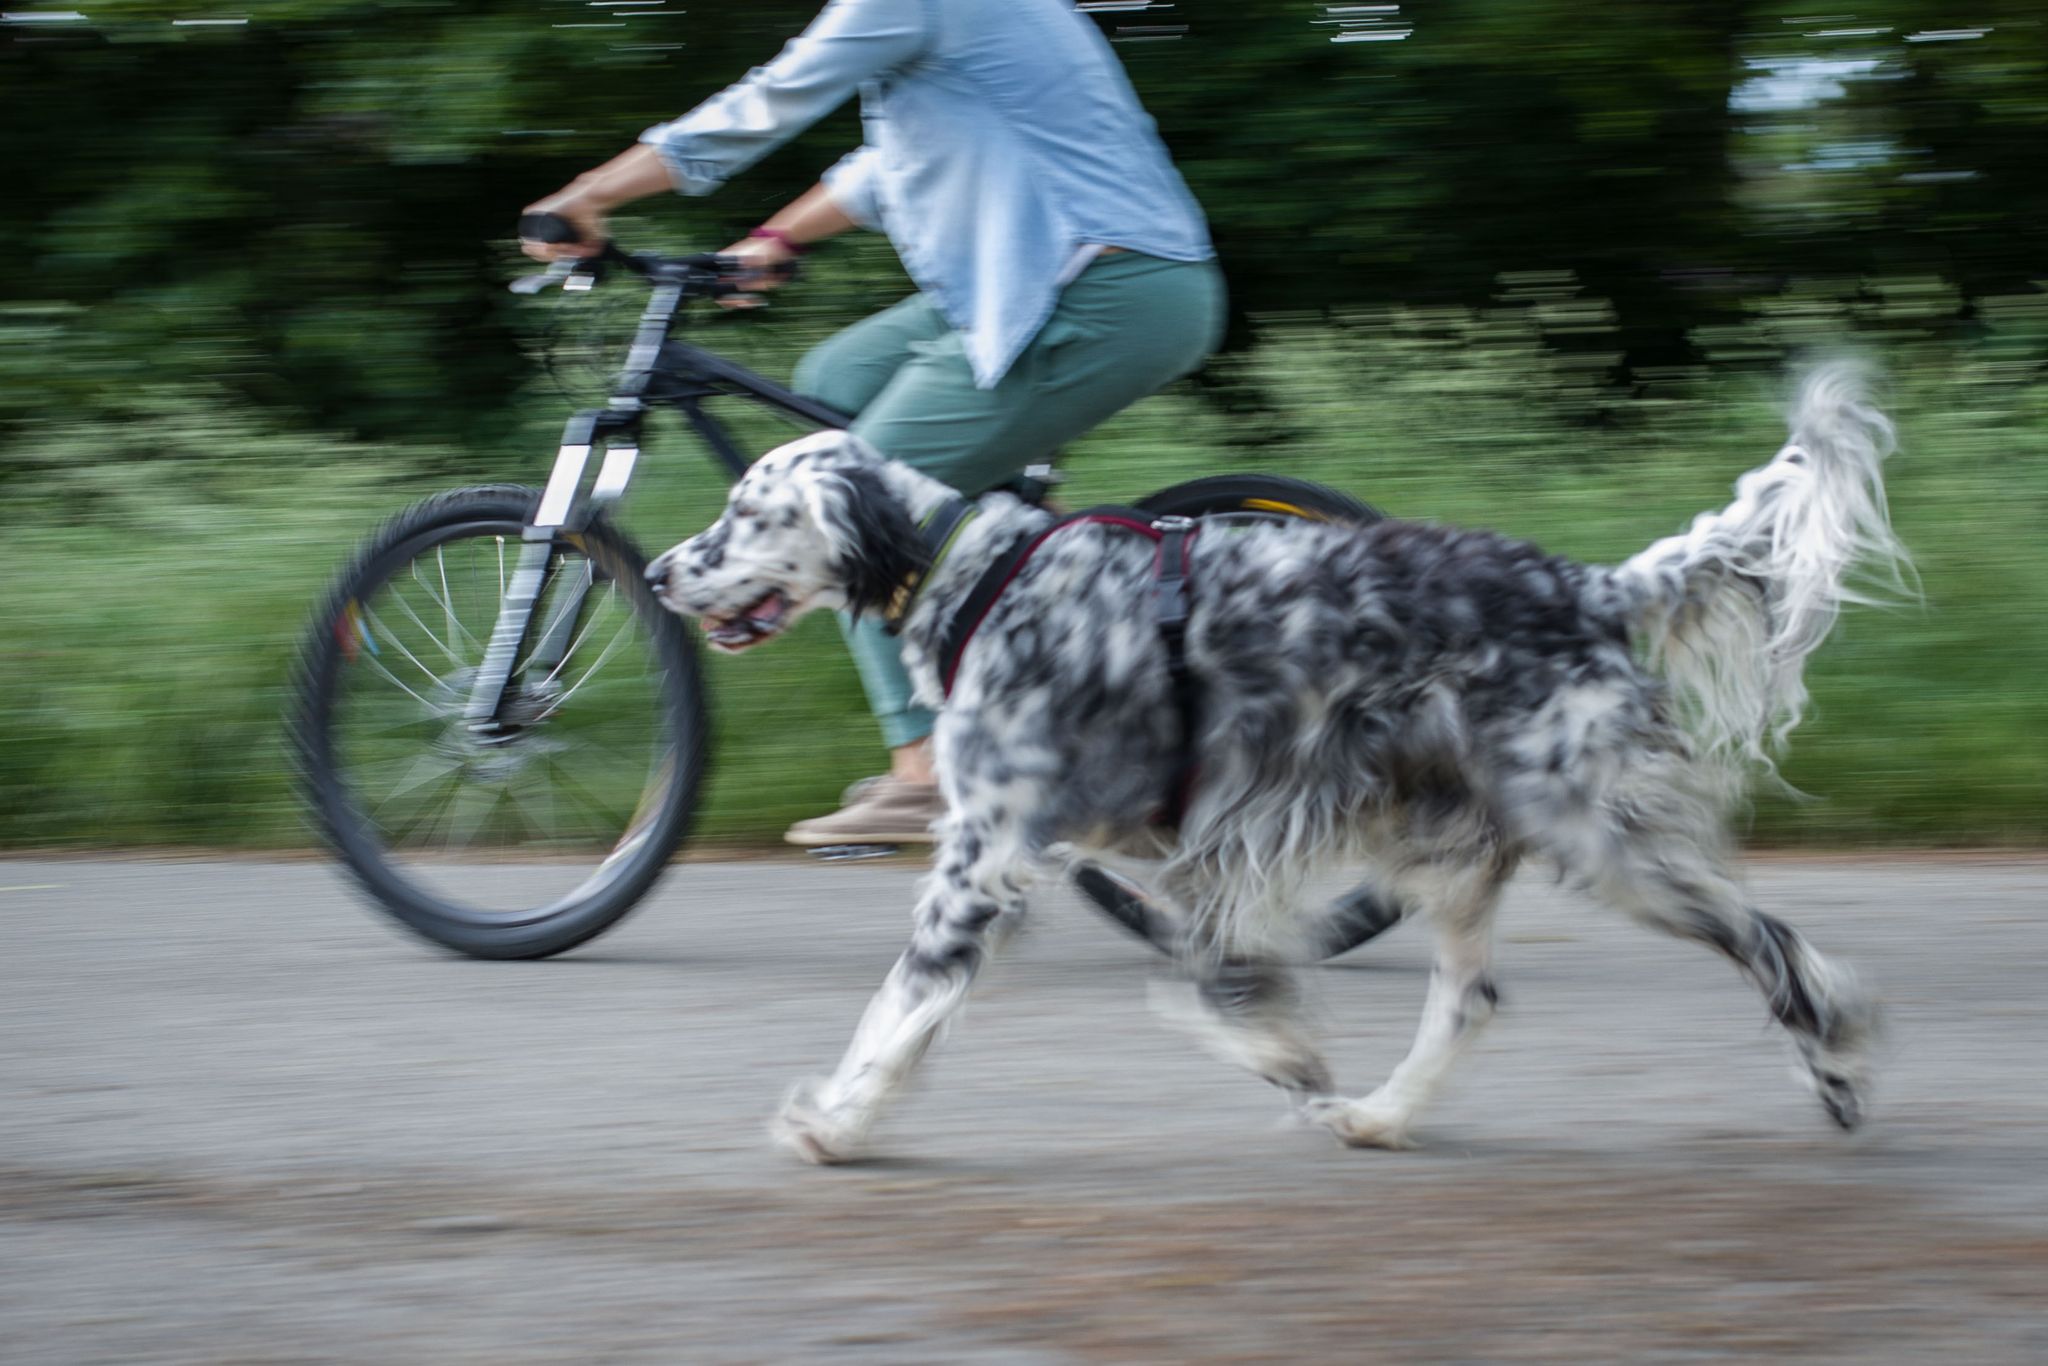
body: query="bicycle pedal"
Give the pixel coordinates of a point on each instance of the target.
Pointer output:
(845, 853)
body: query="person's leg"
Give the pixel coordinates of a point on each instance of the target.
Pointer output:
(848, 370)
(852, 366)
(1129, 325)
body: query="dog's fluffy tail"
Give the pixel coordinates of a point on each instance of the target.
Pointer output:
(1731, 608)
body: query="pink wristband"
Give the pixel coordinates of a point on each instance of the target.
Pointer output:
(777, 234)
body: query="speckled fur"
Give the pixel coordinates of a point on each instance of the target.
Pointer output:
(1438, 703)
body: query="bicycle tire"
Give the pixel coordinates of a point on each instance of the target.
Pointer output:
(654, 830)
(1271, 494)
(1351, 920)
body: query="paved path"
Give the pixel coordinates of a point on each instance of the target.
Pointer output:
(241, 1121)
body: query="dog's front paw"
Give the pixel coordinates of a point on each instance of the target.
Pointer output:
(822, 1136)
(1360, 1123)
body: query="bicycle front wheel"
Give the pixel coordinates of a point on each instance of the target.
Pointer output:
(535, 832)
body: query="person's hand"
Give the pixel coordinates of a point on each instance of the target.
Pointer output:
(576, 205)
(761, 260)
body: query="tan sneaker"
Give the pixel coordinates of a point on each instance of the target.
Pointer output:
(882, 810)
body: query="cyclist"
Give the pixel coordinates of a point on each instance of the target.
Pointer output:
(1064, 270)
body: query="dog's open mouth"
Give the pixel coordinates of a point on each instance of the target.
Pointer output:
(766, 617)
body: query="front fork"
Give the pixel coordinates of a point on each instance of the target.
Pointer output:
(564, 506)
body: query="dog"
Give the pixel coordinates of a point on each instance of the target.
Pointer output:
(1437, 704)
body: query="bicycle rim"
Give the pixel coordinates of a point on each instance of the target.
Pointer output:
(535, 819)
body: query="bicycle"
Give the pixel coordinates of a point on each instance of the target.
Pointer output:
(491, 674)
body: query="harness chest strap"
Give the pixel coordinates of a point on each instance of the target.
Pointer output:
(1174, 537)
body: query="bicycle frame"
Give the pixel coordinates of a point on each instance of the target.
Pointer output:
(659, 371)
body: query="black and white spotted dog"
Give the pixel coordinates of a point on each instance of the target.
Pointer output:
(1434, 703)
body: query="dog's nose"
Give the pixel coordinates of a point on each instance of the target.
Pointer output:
(657, 573)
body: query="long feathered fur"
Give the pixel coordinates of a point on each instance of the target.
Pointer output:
(1438, 703)
(1731, 608)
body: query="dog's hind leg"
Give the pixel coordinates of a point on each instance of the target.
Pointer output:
(1659, 860)
(1247, 1012)
(975, 892)
(1237, 998)
(1461, 1000)
(1679, 889)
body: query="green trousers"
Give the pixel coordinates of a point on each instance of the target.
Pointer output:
(1127, 325)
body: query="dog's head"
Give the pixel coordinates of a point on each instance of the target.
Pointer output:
(815, 523)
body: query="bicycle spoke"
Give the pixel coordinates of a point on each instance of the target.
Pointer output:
(435, 723)
(570, 653)
(472, 807)
(447, 607)
(392, 636)
(569, 604)
(441, 567)
(457, 660)
(425, 769)
(428, 804)
(425, 815)
(589, 673)
(613, 760)
(395, 682)
(583, 795)
(517, 804)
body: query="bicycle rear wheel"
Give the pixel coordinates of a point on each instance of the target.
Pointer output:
(523, 838)
(1258, 495)
(1350, 920)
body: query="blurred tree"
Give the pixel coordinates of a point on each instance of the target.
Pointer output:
(311, 206)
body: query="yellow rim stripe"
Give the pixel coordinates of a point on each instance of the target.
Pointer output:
(1289, 509)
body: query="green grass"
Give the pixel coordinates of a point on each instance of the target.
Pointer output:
(152, 605)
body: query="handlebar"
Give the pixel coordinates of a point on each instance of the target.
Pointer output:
(548, 227)
(706, 275)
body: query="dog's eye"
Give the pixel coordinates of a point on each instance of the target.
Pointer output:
(746, 510)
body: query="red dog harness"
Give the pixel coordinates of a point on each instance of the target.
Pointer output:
(1174, 536)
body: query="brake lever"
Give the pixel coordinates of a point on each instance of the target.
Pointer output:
(557, 273)
(731, 268)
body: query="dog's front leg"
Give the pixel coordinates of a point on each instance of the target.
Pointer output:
(978, 887)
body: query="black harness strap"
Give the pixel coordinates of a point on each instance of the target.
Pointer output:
(1175, 537)
(1170, 610)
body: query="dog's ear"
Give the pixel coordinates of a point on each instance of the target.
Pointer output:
(875, 545)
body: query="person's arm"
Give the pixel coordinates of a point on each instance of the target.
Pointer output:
(588, 199)
(811, 217)
(818, 71)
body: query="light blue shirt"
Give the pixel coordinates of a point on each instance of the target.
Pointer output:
(1002, 137)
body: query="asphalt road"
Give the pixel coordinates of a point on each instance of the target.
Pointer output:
(242, 1121)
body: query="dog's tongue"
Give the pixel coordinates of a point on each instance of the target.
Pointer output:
(764, 618)
(729, 632)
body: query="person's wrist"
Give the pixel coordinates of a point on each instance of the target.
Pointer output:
(790, 247)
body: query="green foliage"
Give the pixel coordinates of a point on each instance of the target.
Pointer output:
(1533, 265)
(143, 707)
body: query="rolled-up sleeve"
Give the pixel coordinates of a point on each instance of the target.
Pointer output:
(819, 70)
(854, 182)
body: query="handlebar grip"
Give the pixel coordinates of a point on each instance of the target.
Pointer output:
(548, 227)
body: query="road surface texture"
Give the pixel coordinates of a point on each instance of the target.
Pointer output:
(243, 1121)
